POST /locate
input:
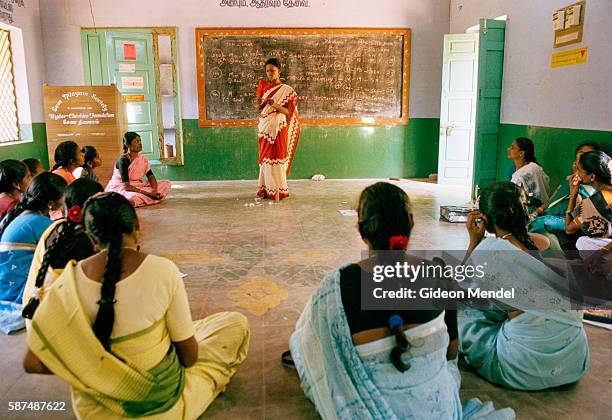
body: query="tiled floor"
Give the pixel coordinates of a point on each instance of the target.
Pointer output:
(225, 241)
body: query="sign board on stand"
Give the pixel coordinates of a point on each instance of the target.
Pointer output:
(89, 116)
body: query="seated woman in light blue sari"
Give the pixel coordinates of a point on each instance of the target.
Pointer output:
(20, 231)
(379, 364)
(536, 340)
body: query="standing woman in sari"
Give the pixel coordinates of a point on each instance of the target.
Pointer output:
(129, 170)
(19, 233)
(278, 132)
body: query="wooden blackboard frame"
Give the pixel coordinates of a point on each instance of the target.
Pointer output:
(200, 33)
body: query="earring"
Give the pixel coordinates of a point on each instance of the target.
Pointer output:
(137, 248)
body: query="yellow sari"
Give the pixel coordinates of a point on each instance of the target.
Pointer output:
(121, 383)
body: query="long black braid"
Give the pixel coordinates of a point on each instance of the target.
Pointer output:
(75, 195)
(43, 188)
(505, 205)
(401, 343)
(107, 217)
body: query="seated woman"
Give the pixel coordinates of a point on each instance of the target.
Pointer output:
(91, 160)
(14, 179)
(129, 171)
(529, 174)
(19, 233)
(525, 345)
(592, 215)
(63, 241)
(34, 165)
(67, 158)
(357, 363)
(139, 353)
(549, 218)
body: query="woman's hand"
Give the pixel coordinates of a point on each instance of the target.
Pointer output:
(153, 194)
(476, 226)
(574, 185)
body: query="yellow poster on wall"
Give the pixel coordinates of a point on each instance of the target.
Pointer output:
(569, 58)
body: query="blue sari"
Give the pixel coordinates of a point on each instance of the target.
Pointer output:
(541, 348)
(345, 381)
(17, 247)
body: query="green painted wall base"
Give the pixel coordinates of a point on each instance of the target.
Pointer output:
(409, 151)
(334, 151)
(36, 148)
(554, 147)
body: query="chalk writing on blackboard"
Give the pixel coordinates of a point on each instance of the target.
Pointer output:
(264, 4)
(337, 76)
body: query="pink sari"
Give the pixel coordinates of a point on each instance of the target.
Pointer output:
(137, 170)
(278, 136)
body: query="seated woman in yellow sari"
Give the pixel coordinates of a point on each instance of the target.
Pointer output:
(117, 327)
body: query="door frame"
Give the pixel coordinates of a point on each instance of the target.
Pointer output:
(155, 31)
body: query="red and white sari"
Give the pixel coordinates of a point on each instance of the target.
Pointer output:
(278, 137)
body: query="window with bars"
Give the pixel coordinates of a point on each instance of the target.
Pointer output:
(9, 123)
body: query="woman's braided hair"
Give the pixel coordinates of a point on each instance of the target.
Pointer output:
(107, 217)
(384, 212)
(43, 188)
(505, 206)
(75, 195)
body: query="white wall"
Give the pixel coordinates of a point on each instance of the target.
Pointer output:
(28, 20)
(533, 93)
(428, 19)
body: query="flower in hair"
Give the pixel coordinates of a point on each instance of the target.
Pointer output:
(398, 242)
(75, 214)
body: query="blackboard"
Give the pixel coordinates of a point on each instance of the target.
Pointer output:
(342, 76)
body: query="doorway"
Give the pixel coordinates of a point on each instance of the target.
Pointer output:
(143, 64)
(472, 76)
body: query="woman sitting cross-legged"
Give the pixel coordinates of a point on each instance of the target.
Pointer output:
(536, 340)
(387, 364)
(63, 241)
(19, 233)
(117, 327)
(129, 171)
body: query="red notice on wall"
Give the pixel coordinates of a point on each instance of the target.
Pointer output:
(129, 51)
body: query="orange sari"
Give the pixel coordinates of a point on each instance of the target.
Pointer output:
(278, 136)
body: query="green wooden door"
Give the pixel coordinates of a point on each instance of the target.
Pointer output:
(490, 75)
(125, 58)
(132, 70)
